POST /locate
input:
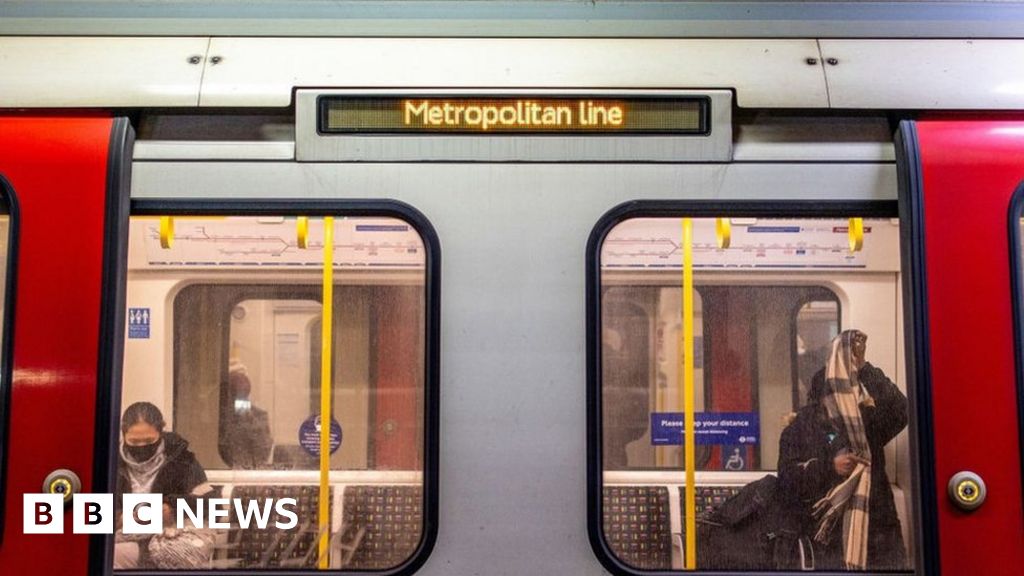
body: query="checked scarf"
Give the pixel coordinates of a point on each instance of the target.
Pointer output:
(847, 501)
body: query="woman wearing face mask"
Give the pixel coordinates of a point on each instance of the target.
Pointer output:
(153, 461)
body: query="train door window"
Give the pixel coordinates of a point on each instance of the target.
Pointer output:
(780, 335)
(239, 334)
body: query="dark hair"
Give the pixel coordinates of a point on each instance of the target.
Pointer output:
(239, 385)
(142, 412)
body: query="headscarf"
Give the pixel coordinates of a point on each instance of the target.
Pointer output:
(142, 474)
(841, 398)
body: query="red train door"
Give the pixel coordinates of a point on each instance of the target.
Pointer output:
(956, 184)
(69, 177)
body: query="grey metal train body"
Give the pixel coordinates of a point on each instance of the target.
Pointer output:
(529, 459)
(513, 234)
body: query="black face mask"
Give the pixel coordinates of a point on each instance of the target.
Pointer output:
(142, 453)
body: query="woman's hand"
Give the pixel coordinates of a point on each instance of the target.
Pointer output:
(845, 462)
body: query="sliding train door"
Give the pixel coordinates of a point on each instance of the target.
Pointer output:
(960, 188)
(65, 183)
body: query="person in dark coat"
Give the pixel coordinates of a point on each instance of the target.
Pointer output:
(817, 458)
(245, 440)
(153, 461)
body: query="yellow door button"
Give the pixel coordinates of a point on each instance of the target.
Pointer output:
(967, 490)
(63, 482)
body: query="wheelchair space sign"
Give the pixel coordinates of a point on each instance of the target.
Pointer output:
(138, 322)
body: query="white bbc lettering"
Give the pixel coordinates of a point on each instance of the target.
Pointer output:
(195, 517)
(93, 513)
(282, 510)
(218, 509)
(43, 514)
(251, 510)
(143, 514)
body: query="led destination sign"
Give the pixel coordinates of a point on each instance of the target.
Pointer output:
(519, 115)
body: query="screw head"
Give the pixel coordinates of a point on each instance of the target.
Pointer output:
(832, 61)
(812, 61)
(214, 60)
(193, 60)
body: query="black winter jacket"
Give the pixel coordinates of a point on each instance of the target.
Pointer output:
(178, 477)
(245, 440)
(806, 472)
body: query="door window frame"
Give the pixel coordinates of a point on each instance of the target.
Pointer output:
(107, 448)
(1016, 213)
(7, 196)
(922, 451)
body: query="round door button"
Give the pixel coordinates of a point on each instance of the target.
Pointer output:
(63, 482)
(967, 490)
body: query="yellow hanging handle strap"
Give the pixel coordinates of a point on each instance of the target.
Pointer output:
(723, 232)
(856, 234)
(302, 231)
(325, 392)
(166, 232)
(690, 495)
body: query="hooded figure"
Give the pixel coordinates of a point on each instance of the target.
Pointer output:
(245, 440)
(832, 462)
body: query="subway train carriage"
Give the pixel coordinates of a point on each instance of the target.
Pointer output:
(511, 288)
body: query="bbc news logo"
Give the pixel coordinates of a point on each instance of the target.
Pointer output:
(144, 513)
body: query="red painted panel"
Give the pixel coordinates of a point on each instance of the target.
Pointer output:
(399, 381)
(970, 170)
(730, 314)
(58, 168)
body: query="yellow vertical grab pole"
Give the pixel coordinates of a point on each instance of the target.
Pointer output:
(326, 332)
(688, 434)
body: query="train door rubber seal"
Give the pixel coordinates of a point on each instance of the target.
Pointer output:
(101, 559)
(7, 333)
(916, 337)
(1017, 290)
(112, 317)
(677, 209)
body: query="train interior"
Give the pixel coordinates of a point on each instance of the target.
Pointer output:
(225, 337)
(234, 298)
(765, 312)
